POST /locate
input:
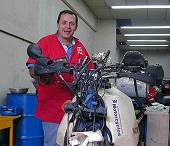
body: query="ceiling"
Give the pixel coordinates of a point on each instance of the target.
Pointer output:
(134, 17)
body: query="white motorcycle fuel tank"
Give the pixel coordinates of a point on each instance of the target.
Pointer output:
(121, 119)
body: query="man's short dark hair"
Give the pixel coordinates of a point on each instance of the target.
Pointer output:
(67, 12)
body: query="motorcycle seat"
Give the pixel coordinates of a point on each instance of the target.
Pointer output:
(134, 58)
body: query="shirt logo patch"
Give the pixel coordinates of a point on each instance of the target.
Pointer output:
(79, 50)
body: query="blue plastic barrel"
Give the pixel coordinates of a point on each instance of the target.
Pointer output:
(29, 142)
(27, 102)
(28, 129)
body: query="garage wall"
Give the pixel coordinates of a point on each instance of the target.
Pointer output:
(105, 38)
(161, 57)
(30, 20)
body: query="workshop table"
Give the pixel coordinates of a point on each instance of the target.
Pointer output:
(7, 122)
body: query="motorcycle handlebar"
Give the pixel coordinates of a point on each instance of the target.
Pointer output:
(59, 66)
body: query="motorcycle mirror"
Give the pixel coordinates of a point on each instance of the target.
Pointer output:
(107, 54)
(34, 51)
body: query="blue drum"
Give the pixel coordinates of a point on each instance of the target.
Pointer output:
(28, 129)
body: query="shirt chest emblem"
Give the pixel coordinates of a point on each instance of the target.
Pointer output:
(79, 50)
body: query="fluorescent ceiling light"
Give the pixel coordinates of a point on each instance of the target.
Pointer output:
(146, 34)
(142, 7)
(144, 27)
(147, 41)
(148, 45)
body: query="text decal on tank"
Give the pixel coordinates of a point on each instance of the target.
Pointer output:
(117, 120)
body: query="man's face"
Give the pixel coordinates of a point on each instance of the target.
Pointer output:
(66, 26)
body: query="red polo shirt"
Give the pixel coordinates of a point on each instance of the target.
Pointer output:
(52, 97)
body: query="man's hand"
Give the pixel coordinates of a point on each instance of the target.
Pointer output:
(33, 74)
(44, 78)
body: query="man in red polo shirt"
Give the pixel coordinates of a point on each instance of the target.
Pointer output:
(52, 96)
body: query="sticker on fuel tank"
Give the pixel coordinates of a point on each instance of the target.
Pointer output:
(116, 115)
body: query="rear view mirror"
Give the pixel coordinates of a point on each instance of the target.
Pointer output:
(34, 51)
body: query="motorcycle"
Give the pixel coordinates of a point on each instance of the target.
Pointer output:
(100, 114)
